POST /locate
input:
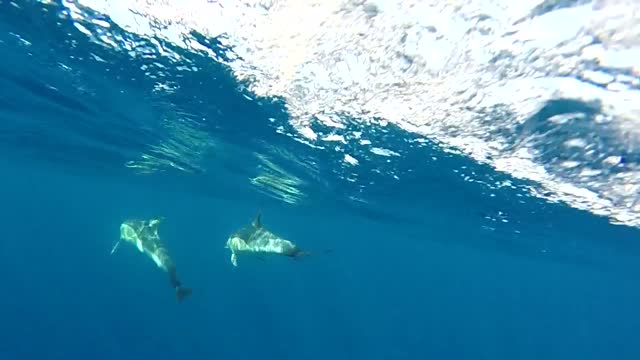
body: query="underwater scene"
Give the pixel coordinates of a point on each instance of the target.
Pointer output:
(320, 179)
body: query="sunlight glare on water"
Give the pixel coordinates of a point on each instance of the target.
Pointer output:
(476, 77)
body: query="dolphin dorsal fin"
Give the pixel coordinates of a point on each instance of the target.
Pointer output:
(257, 221)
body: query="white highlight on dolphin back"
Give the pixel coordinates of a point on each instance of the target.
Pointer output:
(129, 234)
(148, 243)
(157, 260)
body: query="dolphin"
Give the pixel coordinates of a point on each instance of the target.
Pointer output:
(254, 238)
(143, 234)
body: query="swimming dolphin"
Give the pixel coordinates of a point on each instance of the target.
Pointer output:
(254, 238)
(144, 235)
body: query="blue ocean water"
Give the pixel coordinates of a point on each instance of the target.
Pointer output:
(429, 266)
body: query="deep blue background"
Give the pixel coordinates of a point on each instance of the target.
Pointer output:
(414, 275)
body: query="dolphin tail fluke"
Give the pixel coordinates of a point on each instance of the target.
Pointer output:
(182, 292)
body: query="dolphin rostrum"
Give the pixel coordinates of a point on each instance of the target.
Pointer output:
(254, 238)
(143, 234)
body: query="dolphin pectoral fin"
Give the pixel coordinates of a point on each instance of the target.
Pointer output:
(234, 259)
(257, 221)
(115, 246)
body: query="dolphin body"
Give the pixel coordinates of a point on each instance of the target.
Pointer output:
(254, 238)
(143, 234)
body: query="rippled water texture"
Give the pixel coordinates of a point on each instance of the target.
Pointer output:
(548, 92)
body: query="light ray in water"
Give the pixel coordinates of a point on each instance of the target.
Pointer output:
(184, 146)
(276, 182)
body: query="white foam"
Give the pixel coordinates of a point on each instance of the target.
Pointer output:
(434, 68)
(350, 160)
(383, 152)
